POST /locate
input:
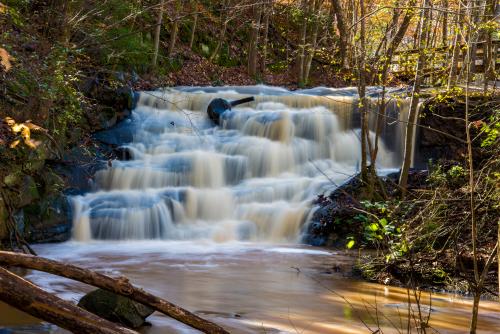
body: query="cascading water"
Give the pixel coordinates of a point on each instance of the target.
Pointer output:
(251, 178)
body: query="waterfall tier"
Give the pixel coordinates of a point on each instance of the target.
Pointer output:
(251, 178)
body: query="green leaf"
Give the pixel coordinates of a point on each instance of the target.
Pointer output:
(350, 244)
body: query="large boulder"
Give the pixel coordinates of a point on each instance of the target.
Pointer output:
(115, 308)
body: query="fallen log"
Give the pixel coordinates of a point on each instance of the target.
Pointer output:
(27, 297)
(119, 286)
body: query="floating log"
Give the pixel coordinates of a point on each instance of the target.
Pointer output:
(120, 286)
(29, 298)
(219, 106)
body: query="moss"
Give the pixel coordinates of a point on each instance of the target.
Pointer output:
(113, 307)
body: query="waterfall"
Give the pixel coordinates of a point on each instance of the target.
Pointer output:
(251, 178)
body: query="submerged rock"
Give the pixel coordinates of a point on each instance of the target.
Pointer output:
(116, 308)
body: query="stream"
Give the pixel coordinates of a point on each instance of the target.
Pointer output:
(212, 217)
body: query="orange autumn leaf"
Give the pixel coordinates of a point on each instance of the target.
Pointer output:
(5, 59)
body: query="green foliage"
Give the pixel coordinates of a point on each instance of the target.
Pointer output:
(61, 88)
(350, 242)
(13, 10)
(379, 230)
(279, 66)
(448, 95)
(456, 172)
(125, 48)
(491, 129)
(121, 44)
(439, 177)
(224, 57)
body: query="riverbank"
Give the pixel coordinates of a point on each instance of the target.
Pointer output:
(423, 239)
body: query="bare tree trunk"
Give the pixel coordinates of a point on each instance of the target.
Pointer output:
(222, 32)
(159, 21)
(470, 58)
(29, 298)
(478, 288)
(119, 286)
(194, 8)
(302, 43)
(416, 34)
(395, 19)
(452, 77)
(413, 113)
(265, 36)
(444, 28)
(361, 55)
(343, 32)
(488, 52)
(392, 47)
(314, 40)
(254, 41)
(175, 28)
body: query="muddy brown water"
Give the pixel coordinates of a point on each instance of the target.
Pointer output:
(251, 288)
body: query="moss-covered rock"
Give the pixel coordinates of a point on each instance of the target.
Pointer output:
(116, 308)
(48, 220)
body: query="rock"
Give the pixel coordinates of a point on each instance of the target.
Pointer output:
(123, 153)
(48, 220)
(29, 191)
(118, 135)
(116, 308)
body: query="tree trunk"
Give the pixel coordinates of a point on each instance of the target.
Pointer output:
(302, 43)
(488, 52)
(444, 28)
(413, 113)
(361, 54)
(254, 41)
(395, 19)
(29, 298)
(392, 47)
(343, 32)
(159, 21)
(265, 36)
(452, 77)
(314, 40)
(195, 23)
(119, 286)
(222, 32)
(175, 28)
